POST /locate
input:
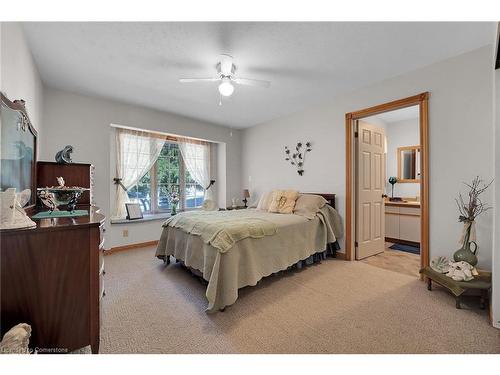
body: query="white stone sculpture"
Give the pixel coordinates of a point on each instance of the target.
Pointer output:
(13, 215)
(16, 340)
(461, 271)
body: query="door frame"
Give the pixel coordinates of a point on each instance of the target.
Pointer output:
(422, 100)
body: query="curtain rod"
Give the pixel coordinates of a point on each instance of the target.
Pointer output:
(155, 132)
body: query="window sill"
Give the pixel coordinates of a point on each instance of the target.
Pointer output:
(146, 218)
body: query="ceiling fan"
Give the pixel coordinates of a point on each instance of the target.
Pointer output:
(225, 75)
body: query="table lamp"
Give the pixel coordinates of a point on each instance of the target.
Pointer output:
(246, 194)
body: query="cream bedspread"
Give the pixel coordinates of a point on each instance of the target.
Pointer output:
(222, 229)
(251, 259)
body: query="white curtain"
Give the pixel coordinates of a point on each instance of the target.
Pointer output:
(136, 152)
(196, 156)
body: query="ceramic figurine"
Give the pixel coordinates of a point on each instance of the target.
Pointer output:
(13, 214)
(8, 200)
(64, 156)
(48, 199)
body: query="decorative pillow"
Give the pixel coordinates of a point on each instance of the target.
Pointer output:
(265, 201)
(283, 201)
(308, 205)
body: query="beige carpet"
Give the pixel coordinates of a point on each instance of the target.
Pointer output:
(334, 307)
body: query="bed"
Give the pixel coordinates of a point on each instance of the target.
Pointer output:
(275, 243)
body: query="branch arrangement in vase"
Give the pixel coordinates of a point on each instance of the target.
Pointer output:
(298, 157)
(470, 208)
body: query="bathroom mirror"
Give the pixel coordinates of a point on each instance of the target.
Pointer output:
(409, 164)
(17, 148)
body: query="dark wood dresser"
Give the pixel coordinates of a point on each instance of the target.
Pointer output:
(52, 276)
(52, 279)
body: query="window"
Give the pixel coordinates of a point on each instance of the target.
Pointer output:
(167, 175)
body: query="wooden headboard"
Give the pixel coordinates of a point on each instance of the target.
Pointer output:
(329, 197)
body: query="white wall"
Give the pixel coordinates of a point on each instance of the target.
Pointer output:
(84, 122)
(461, 142)
(19, 77)
(401, 134)
(496, 244)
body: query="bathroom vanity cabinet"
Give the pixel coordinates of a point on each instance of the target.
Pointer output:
(402, 222)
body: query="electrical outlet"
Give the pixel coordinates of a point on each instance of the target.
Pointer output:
(125, 233)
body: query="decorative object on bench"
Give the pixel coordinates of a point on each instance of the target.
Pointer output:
(12, 211)
(61, 195)
(64, 156)
(134, 211)
(469, 210)
(458, 271)
(16, 340)
(440, 264)
(481, 282)
(298, 157)
(461, 271)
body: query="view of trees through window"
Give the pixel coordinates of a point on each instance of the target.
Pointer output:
(168, 175)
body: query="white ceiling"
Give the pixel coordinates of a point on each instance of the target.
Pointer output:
(141, 63)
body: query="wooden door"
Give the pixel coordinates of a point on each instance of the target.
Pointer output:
(370, 177)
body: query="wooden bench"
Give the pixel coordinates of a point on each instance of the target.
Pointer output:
(481, 282)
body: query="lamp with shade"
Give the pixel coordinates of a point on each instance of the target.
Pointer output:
(246, 194)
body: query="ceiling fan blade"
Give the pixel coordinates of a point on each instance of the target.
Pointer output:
(226, 64)
(188, 80)
(252, 82)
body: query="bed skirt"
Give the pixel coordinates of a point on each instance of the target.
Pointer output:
(330, 251)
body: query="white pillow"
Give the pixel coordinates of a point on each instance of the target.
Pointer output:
(265, 201)
(308, 205)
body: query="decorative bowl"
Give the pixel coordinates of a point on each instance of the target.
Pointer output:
(54, 197)
(440, 264)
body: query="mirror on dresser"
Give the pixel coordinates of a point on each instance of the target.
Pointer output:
(409, 164)
(17, 148)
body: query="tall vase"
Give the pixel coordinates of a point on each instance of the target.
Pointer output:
(465, 254)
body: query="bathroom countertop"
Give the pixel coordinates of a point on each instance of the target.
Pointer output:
(403, 204)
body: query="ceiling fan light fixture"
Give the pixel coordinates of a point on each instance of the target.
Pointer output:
(226, 88)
